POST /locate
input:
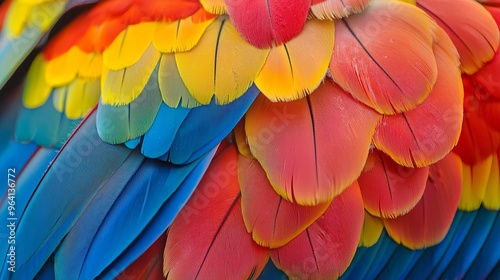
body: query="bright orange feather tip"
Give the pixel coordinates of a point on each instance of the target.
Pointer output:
(208, 239)
(326, 248)
(427, 223)
(334, 9)
(390, 190)
(149, 266)
(427, 133)
(384, 56)
(296, 144)
(470, 26)
(267, 23)
(272, 220)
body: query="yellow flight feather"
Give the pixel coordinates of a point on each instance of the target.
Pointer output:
(492, 196)
(41, 14)
(179, 36)
(372, 229)
(36, 90)
(77, 98)
(129, 46)
(120, 87)
(92, 67)
(475, 182)
(173, 90)
(222, 64)
(63, 69)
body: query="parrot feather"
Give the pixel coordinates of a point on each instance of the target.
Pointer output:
(276, 221)
(118, 124)
(374, 60)
(55, 219)
(429, 221)
(149, 265)
(300, 65)
(473, 32)
(325, 249)
(161, 220)
(427, 133)
(215, 208)
(103, 214)
(335, 9)
(266, 23)
(304, 161)
(390, 190)
(217, 75)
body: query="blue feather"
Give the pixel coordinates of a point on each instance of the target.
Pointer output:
(161, 221)
(399, 263)
(44, 125)
(118, 124)
(471, 245)
(206, 126)
(61, 197)
(433, 255)
(140, 201)
(489, 256)
(158, 140)
(26, 181)
(465, 225)
(270, 272)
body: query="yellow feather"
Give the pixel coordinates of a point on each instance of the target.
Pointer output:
(120, 87)
(83, 95)
(41, 14)
(475, 181)
(222, 64)
(372, 229)
(59, 99)
(92, 68)
(173, 90)
(214, 6)
(63, 69)
(77, 98)
(299, 65)
(129, 45)
(492, 196)
(36, 90)
(179, 36)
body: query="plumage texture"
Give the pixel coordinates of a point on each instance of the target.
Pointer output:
(278, 132)
(304, 99)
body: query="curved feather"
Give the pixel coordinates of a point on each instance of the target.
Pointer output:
(272, 220)
(161, 220)
(427, 133)
(223, 249)
(54, 218)
(473, 32)
(384, 56)
(303, 160)
(390, 190)
(268, 23)
(325, 249)
(429, 221)
(102, 221)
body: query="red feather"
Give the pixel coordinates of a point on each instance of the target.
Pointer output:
(428, 223)
(265, 23)
(389, 189)
(272, 220)
(208, 239)
(312, 148)
(325, 249)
